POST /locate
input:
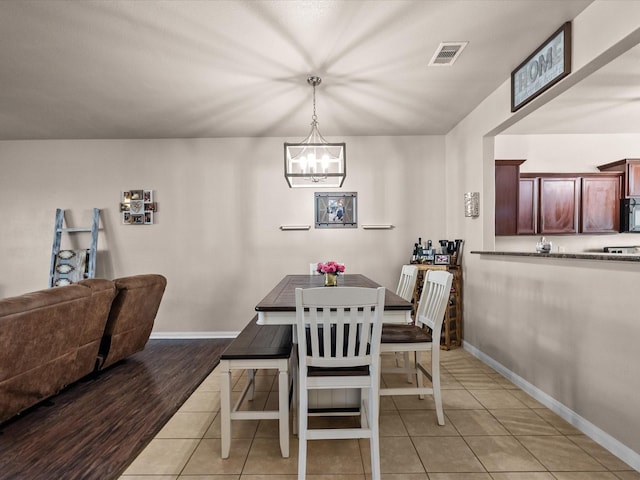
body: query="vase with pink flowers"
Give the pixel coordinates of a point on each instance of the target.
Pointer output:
(331, 270)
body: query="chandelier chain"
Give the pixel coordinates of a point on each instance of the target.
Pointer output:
(314, 117)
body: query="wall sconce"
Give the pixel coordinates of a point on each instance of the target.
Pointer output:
(472, 204)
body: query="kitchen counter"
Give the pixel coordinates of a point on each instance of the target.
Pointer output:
(616, 257)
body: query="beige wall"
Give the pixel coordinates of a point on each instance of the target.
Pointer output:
(567, 328)
(221, 203)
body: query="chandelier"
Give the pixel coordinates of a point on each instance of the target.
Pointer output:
(314, 162)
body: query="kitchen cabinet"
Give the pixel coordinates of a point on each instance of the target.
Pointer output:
(562, 203)
(507, 174)
(559, 204)
(556, 204)
(630, 167)
(600, 206)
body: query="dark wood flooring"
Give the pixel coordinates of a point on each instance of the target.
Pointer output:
(95, 428)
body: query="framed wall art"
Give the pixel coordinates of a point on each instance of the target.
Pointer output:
(545, 67)
(336, 210)
(137, 207)
(442, 259)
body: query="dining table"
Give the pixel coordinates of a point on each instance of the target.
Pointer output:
(279, 306)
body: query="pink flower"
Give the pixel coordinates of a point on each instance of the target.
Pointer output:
(330, 267)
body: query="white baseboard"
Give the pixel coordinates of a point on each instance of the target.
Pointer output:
(191, 335)
(598, 435)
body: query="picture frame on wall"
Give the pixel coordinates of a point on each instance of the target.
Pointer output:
(137, 207)
(546, 66)
(336, 210)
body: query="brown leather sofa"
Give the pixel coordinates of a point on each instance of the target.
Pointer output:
(52, 338)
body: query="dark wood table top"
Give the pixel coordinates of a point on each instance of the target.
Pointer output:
(282, 298)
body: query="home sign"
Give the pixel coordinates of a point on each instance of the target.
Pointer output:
(549, 64)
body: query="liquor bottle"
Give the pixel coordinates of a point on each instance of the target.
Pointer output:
(414, 256)
(429, 252)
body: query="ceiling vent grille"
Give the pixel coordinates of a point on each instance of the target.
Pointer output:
(447, 53)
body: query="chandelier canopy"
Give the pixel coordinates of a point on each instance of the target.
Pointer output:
(314, 162)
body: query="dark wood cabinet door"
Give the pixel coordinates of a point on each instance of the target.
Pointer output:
(507, 174)
(528, 206)
(600, 204)
(633, 178)
(559, 203)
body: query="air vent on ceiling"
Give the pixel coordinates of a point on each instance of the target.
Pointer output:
(447, 53)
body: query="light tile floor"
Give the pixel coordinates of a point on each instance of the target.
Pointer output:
(493, 431)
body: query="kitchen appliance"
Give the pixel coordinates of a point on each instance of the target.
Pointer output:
(630, 214)
(623, 250)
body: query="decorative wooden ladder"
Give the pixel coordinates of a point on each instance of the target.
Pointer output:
(58, 230)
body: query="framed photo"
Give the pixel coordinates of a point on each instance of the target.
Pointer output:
(441, 259)
(136, 194)
(336, 210)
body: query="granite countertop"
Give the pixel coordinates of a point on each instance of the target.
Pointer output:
(616, 257)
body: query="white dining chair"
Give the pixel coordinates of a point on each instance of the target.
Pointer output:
(339, 331)
(405, 289)
(416, 339)
(407, 282)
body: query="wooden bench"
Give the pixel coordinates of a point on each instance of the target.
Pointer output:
(256, 347)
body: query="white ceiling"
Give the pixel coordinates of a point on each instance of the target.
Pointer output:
(165, 69)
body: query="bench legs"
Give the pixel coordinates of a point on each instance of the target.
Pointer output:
(228, 413)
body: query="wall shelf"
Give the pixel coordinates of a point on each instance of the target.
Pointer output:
(294, 227)
(378, 227)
